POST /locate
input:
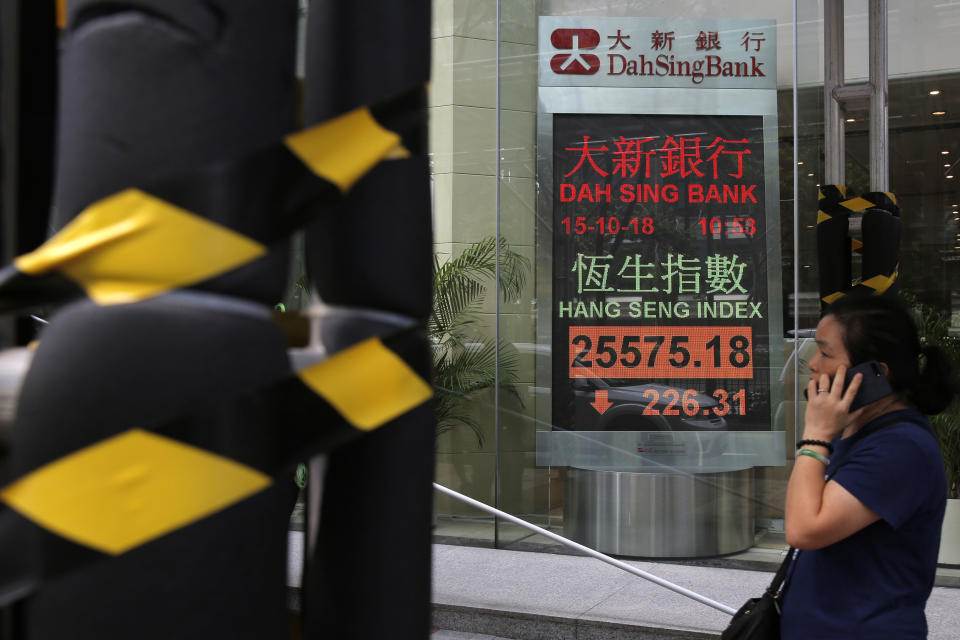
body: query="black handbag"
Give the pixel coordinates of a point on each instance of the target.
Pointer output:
(759, 618)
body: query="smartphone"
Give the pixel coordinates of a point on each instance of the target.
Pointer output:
(873, 387)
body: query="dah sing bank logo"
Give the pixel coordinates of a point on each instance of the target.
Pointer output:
(579, 40)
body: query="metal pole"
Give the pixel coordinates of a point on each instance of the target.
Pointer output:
(496, 324)
(796, 232)
(833, 127)
(588, 551)
(879, 160)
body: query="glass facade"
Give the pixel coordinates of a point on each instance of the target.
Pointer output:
(502, 128)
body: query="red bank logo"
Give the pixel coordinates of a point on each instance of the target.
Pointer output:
(576, 62)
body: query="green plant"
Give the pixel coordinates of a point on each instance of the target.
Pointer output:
(947, 427)
(934, 328)
(465, 359)
(300, 476)
(946, 424)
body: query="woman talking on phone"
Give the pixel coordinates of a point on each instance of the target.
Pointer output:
(867, 494)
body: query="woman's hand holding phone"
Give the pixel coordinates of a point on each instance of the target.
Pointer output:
(828, 405)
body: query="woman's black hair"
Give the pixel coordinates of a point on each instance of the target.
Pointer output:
(880, 328)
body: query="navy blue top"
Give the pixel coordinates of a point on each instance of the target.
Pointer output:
(875, 583)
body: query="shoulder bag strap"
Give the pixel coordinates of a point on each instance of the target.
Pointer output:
(781, 574)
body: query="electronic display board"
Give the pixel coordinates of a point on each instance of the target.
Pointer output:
(660, 305)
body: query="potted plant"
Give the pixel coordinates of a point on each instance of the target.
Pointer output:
(946, 425)
(934, 328)
(465, 359)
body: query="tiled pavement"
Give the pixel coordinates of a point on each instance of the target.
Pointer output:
(540, 596)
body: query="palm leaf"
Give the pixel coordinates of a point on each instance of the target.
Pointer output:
(460, 283)
(466, 361)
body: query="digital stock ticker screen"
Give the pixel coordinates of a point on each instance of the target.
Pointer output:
(660, 306)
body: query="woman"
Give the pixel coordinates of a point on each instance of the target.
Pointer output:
(869, 536)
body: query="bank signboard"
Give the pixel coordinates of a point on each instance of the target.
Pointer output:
(659, 177)
(657, 52)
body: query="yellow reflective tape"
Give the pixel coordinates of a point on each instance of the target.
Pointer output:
(368, 384)
(61, 14)
(855, 244)
(823, 217)
(833, 297)
(130, 489)
(857, 204)
(880, 283)
(131, 246)
(344, 149)
(76, 241)
(398, 153)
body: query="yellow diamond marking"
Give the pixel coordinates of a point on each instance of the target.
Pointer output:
(881, 283)
(857, 204)
(131, 246)
(344, 149)
(130, 489)
(368, 384)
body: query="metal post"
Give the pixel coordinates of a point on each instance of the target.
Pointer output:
(837, 97)
(879, 160)
(833, 170)
(496, 324)
(362, 580)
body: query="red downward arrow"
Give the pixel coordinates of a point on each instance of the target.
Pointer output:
(600, 402)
